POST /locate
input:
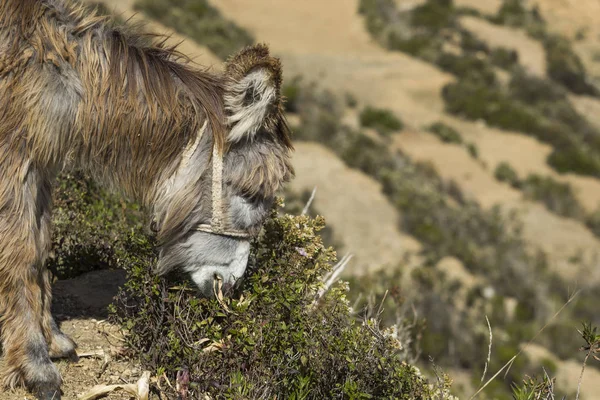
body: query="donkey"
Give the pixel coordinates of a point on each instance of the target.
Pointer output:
(203, 152)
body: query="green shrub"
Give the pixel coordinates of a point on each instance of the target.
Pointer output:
(290, 92)
(468, 66)
(523, 107)
(200, 21)
(535, 388)
(434, 15)
(473, 150)
(505, 173)
(592, 221)
(383, 121)
(514, 13)
(562, 62)
(445, 133)
(557, 197)
(294, 205)
(565, 66)
(504, 58)
(351, 100)
(87, 227)
(271, 340)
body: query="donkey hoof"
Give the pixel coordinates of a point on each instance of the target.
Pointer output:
(63, 347)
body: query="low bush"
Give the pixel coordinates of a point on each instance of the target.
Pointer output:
(505, 173)
(468, 67)
(514, 13)
(446, 133)
(273, 339)
(437, 214)
(523, 107)
(383, 121)
(200, 21)
(558, 197)
(504, 58)
(565, 67)
(290, 92)
(88, 224)
(563, 64)
(294, 205)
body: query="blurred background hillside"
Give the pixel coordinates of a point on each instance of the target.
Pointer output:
(455, 148)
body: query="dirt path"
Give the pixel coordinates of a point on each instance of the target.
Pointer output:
(79, 305)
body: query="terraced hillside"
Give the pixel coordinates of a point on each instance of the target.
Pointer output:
(325, 44)
(425, 211)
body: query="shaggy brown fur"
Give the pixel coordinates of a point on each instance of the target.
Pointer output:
(76, 91)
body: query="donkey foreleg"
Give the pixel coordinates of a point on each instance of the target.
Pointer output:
(24, 244)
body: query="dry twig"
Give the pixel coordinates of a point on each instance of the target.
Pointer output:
(139, 390)
(335, 273)
(309, 202)
(487, 362)
(509, 363)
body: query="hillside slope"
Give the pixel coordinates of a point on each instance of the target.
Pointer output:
(328, 41)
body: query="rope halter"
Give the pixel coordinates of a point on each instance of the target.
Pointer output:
(218, 221)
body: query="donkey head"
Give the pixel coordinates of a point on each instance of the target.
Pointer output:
(240, 177)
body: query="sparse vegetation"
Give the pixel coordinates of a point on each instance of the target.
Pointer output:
(557, 197)
(272, 339)
(436, 213)
(89, 225)
(531, 105)
(200, 21)
(536, 107)
(290, 93)
(563, 65)
(504, 58)
(446, 133)
(383, 121)
(505, 173)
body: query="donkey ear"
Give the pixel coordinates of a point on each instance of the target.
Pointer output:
(252, 91)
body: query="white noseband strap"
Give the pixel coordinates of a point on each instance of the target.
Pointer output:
(217, 224)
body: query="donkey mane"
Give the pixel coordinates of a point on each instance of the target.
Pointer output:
(123, 105)
(115, 84)
(78, 91)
